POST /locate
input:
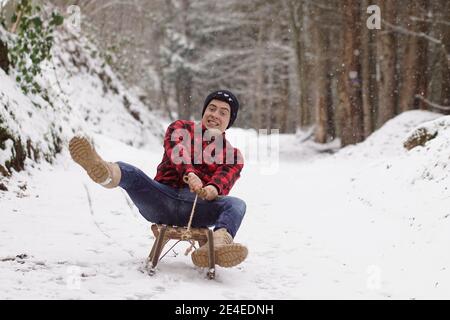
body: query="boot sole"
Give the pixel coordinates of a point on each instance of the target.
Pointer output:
(200, 259)
(227, 256)
(231, 255)
(82, 153)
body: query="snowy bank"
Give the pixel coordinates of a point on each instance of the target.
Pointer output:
(81, 95)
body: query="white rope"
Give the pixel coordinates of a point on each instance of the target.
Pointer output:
(187, 234)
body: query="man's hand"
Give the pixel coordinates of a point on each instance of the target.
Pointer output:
(209, 193)
(194, 182)
(196, 185)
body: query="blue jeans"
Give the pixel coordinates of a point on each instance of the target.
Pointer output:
(162, 204)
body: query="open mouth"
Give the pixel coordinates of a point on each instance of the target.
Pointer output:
(213, 123)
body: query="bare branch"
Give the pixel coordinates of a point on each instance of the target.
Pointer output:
(412, 33)
(432, 104)
(447, 23)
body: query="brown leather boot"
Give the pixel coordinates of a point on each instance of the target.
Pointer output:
(227, 253)
(105, 173)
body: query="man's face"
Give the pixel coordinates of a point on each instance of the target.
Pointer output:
(217, 115)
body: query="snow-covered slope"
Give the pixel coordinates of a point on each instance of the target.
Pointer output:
(82, 95)
(432, 159)
(98, 97)
(388, 141)
(361, 223)
(403, 181)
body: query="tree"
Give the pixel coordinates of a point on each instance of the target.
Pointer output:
(350, 80)
(414, 71)
(292, 63)
(296, 12)
(444, 51)
(321, 88)
(368, 71)
(386, 54)
(4, 61)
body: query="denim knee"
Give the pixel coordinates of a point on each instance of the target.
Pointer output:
(239, 205)
(232, 213)
(127, 177)
(132, 177)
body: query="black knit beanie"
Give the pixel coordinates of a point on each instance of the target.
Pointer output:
(225, 96)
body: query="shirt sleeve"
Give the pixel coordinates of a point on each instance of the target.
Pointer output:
(226, 174)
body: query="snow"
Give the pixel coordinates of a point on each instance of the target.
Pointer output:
(81, 101)
(361, 223)
(366, 221)
(84, 97)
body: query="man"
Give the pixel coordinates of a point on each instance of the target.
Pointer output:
(211, 166)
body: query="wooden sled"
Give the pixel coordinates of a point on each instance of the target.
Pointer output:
(164, 233)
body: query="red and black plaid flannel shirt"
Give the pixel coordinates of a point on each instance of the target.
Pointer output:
(221, 173)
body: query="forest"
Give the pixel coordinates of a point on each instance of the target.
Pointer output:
(351, 203)
(335, 68)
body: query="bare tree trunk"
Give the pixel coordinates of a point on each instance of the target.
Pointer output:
(321, 87)
(331, 125)
(282, 114)
(306, 79)
(269, 90)
(4, 61)
(183, 84)
(17, 22)
(258, 82)
(269, 105)
(350, 82)
(445, 62)
(423, 57)
(414, 79)
(296, 11)
(367, 60)
(386, 53)
(293, 109)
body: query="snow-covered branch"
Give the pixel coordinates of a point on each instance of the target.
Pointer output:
(411, 33)
(413, 18)
(433, 104)
(115, 3)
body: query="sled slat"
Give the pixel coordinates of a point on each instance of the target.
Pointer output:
(202, 235)
(176, 233)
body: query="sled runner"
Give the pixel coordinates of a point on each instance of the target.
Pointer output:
(164, 233)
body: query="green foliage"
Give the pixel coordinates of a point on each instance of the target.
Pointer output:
(33, 44)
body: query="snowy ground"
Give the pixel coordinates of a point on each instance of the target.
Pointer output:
(357, 224)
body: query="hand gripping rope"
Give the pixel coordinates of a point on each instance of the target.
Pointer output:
(187, 235)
